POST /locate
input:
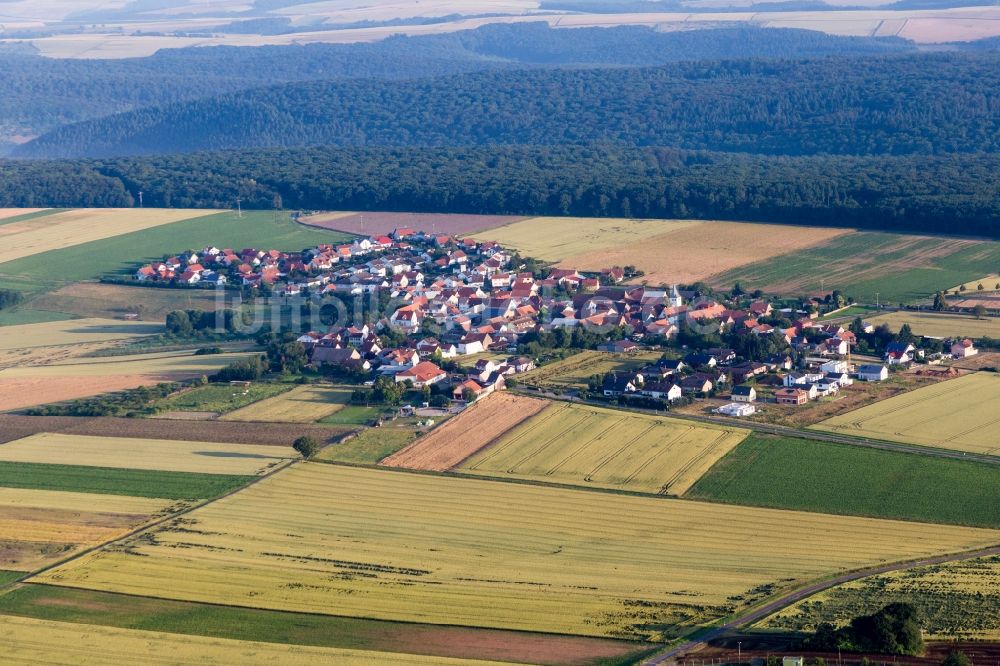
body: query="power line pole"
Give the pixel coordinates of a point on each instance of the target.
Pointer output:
(140, 198)
(239, 208)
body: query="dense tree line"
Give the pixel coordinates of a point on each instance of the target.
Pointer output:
(912, 104)
(38, 94)
(946, 193)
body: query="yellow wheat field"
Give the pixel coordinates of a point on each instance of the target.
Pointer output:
(941, 325)
(559, 238)
(959, 414)
(52, 232)
(131, 453)
(404, 546)
(38, 527)
(303, 404)
(27, 640)
(73, 332)
(606, 448)
(70, 501)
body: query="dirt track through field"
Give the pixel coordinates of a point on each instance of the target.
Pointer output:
(482, 423)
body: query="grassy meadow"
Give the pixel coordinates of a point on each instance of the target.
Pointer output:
(401, 546)
(811, 475)
(220, 398)
(573, 371)
(370, 446)
(302, 404)
(958, 414)
(956, 600)
(605, 448)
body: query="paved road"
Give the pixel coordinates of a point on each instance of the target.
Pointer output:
(809, 590)
(773, 429)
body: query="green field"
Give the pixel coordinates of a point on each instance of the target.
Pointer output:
(955, 600)
(18, 316)
(220, 397)
(117, 481)
(120, 254)
(792, 473)
(369, 447)
(900, 268)
(45, 602)
(9, 576)
(605, 448)
(358, 415)
(31, 216)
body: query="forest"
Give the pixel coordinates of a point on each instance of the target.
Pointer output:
(957, 194)
(39, 94)
(922, 104)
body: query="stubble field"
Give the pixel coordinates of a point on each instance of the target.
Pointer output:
(134, 453)
(448, 445)
(396, 545)
(303, 404)
(450, 224)
(573, 371)
(605, 448)
(941, 325)
(958, 414)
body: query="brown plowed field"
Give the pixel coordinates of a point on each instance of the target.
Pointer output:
(384, 223)
(445, 447)
(279, 434)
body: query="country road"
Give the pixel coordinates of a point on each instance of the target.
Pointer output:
(773, 429)
(801, 593)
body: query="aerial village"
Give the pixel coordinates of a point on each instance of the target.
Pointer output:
(464, 299)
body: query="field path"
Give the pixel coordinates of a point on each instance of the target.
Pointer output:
(782, 602)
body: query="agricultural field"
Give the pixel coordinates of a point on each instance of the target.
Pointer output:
(121, 254)
(10, 215)
(958, 414)
(75, 227)
(370, 446)
(899, 268)
(811, 475)
(606, 448)
(26, 640)
(956, 600)
(75, 332)
(95, 299)
(46, 602)
(13, 427)
(133, 453)
(573, 371)
(38, 527)
(480, 424)
(694, 252)
(990, 283)
(72, 378)
(451, 224)
(219, 398)
(400, 546)
(303, 404)
(941, 325)
(118, 481)
(562, 238)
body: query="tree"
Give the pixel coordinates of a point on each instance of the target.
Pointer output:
(306, 446)
(10, 298)
(979, 287)
(179, 323)
(979, 311)
(940, 301)
(905, 334)
(893, 630)
(956, 658)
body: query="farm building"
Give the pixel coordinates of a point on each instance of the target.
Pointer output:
(618, 346)
(743, 394)
(737, 409)
(873, 373)
(791, 396)
(963, 348)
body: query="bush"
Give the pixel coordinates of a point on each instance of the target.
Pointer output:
(10, 298)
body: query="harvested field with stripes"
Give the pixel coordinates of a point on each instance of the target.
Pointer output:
(954, 414)
(303, 404)
(447, 446)
(606, 448)
(134, 453)
(388, 544)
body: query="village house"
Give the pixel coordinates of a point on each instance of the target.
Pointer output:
(743, 393)
(737, 409)
(422, 374)
(791, 396)
(963, 348)
(898, 353)
(668, 391)
(873, 373)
